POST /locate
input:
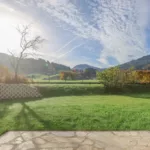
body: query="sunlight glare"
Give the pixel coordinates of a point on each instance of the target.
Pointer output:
(8, 35)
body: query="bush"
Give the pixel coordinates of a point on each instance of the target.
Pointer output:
(115, 79)
(7, 77)
(11, 79)
(111, 77)
(65, 90)
(67, 75)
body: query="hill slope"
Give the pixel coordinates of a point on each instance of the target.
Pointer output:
(85, 66)
(33, 66)
(141, 63)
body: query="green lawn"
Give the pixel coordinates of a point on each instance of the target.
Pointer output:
(40, 78)
(105, 112)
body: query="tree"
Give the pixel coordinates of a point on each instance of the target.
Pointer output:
(115, 78)
(110, 77)
(90, 72)
(28, 47)
(67, 74)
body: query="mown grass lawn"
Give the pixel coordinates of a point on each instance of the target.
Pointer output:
(105, 112)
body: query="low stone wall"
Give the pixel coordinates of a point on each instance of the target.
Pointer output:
(16, 91)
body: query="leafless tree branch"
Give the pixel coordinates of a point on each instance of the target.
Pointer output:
(25, 45)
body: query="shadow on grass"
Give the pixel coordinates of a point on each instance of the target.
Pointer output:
(25, 115)
(23, 120)
(3, 109)
(26, 119)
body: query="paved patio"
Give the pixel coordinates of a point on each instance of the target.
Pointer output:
(75, 140)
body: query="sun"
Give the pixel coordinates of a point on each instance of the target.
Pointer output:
(10, 20)
(8, 35)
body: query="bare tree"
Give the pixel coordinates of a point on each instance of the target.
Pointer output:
(28, 47)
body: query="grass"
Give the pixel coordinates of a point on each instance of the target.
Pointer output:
(105, 112)
(78, 107)
(40, 78)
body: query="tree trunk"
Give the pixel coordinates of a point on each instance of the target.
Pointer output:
(16, 70)
(16, 75)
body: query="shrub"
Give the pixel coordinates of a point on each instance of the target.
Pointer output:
(7, 77)
(67, 75)
(4, 72)
(143, 76)
(114, 79)
(72, 89)
(11, 79)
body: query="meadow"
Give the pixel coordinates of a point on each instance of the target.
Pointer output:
(95, 112)
(78, 107)
(38, 78)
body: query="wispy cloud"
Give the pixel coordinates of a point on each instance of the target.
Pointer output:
(121, 29)
(119, 26)
(64, 54)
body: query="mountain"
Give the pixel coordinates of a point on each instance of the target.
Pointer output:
(85, 66)
(138, 64)
(33, 66)
(41, 66)
(141, 63)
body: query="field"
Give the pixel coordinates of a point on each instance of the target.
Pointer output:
(78, 107)
(105, 112)
(45, 79)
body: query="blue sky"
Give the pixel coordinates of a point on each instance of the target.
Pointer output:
(102, 33)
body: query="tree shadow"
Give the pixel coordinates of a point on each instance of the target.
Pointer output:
(24, 118)
(3, 109)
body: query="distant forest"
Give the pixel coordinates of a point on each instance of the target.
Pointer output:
(34, 66)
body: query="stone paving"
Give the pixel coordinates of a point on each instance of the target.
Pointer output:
(56, 140)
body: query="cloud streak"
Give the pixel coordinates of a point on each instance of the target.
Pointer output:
(64, 54)
(65, 45)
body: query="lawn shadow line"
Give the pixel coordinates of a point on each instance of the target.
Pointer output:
(25, 107)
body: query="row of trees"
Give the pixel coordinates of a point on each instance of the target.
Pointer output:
(67, 75)
(117, 78)
(71, 75)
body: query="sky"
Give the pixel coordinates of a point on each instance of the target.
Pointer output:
(101, 33)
